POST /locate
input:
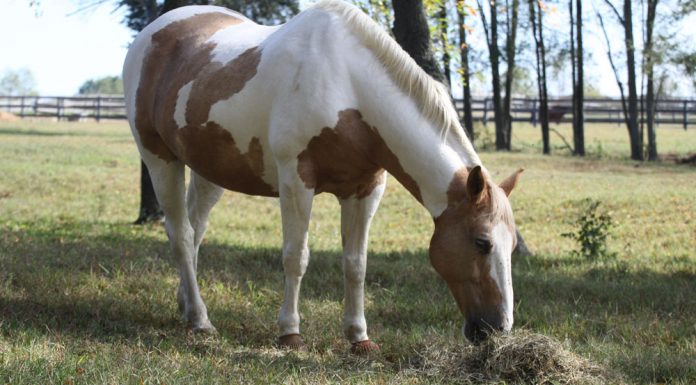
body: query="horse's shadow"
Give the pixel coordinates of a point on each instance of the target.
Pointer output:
(122, 287)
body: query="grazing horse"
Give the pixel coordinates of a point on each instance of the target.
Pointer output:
(324, 103)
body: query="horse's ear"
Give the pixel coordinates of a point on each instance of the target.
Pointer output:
(476, 185)
(510, 182)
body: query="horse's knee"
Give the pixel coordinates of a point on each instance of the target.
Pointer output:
(295, 260)
(354, 270)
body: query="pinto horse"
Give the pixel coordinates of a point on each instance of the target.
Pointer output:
(324, 103)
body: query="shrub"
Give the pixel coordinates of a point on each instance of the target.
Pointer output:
(593, 228)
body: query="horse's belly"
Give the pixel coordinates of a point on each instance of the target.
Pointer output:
(212, 151)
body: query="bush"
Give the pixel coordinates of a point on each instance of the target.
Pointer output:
(593, 229)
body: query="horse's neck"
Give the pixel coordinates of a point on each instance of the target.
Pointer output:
(424, 154)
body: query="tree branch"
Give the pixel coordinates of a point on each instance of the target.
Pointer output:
(613, 67)
(485, 24)
(616, 12)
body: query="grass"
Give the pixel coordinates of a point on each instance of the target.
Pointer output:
(86, 297)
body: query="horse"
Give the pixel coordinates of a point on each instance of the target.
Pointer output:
(327, 102)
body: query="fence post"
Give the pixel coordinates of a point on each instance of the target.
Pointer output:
(21, 107)
(535, 112)
(485, 111)
(98, 108)
(686, 120)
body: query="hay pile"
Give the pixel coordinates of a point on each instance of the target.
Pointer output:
(521, 357)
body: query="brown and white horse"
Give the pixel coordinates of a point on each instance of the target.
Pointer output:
(324, 103)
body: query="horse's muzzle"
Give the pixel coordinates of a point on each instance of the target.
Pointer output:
(477, 328)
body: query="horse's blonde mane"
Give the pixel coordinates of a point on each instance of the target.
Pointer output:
(431, 96)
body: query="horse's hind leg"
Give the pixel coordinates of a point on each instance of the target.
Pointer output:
(201, 197)
(356, 215)
(169, 184)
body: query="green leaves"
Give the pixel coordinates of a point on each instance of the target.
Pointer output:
(593, 228)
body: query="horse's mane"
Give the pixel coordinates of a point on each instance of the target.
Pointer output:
(430, 95)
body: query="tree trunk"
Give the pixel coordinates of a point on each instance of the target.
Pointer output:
(535, 18)
(413, 35)
(445, 44)
(579, 91)
(150, 210)
(494, 56)
(510, 73)
(633, 129)
(466, 89)
(649, 70)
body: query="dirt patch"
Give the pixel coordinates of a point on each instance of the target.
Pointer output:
(687, 160)
(8, 117)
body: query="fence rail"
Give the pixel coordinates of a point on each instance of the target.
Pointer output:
(597, 110)
(71, 108)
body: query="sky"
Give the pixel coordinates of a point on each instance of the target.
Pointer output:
(63, 49)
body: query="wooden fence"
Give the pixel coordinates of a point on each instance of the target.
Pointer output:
(596, 110)
(71, 108)
(668, 111)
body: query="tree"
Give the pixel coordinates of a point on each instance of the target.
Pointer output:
(444, 39)
(510, 51)
(491, 32)
(412, 33)
(577, 58)
(108, 85)
(649, 67)
(465, 70)
(17, 82)
(630, 106)
(536, 20)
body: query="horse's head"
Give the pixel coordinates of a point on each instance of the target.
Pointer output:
(471, 249)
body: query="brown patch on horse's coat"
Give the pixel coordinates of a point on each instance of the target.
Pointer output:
(217, 82)
(350, 160)
(213, 153)
(176, 55)
(180, 53)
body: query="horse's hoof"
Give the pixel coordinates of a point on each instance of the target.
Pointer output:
(364, 348)
(292, 342)
(204, 328)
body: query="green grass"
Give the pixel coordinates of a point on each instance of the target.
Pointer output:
(86, 297)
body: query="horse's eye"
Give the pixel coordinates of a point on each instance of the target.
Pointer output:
(483, 245)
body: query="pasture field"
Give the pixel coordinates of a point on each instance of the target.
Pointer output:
(88, 298)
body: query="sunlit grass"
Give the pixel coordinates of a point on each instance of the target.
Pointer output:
(85, 297)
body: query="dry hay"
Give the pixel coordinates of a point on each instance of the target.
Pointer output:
(520, 357)
(8, 117)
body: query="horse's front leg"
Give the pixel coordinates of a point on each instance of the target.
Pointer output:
(356, 215)
(296, 207)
